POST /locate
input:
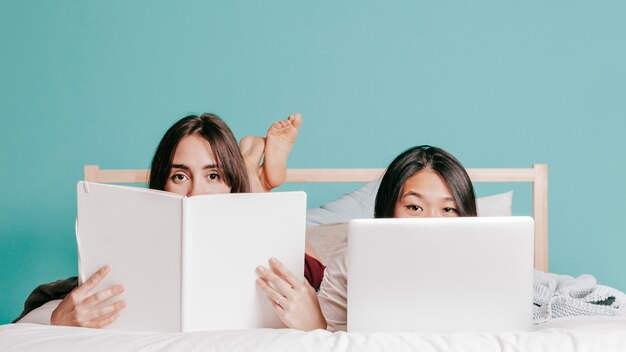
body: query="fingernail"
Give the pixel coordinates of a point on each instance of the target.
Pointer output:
(273, 260)
(260, 269)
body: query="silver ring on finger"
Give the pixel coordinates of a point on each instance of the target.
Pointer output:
(281, 300)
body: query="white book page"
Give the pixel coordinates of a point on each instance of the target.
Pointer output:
(225, 238)
(138, 233)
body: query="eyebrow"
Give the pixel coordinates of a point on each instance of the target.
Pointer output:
(418, 195)
(185, 167)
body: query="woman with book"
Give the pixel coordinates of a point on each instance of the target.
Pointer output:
(423, 181)
(197, 155)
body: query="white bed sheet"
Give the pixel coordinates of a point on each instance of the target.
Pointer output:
(565, 334)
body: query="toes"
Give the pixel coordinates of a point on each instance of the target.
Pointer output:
(280, 125)
(297, 120)
(294, 120)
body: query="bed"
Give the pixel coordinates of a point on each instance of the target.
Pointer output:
(576, 333)
(565, 334)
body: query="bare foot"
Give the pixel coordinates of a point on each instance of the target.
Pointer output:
(280, 138)
(252, 151)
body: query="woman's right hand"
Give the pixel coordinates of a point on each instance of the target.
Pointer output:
(293, 299)
(80, 308)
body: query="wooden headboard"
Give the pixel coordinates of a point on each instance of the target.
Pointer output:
(537, 175)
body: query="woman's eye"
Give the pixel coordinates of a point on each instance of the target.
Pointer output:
(415, 208)
(178, 177)
(450, 210)
(214, 176)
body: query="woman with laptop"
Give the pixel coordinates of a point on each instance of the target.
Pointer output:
(197, 155)
(423, 181)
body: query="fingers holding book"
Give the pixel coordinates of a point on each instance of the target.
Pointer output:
(293, 299)
(83, 308)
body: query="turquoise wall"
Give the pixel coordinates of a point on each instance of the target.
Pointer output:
(497, 83)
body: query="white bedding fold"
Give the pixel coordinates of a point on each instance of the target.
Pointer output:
(558, 296)
(565, 334)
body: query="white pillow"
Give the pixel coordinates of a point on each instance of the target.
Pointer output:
(495, 205)
(359, 204)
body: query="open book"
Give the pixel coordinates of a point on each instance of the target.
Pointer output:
(188, 263)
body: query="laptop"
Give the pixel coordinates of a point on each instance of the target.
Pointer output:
(440, 274)
(188, 263)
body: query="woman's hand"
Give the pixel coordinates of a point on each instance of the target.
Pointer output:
(293, 299)
(79, 308)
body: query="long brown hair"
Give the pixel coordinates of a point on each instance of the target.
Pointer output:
(416, 159)
(222, 142)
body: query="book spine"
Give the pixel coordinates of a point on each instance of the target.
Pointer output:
(183, 266)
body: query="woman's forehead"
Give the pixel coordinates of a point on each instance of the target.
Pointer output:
(194, 150)
(426, 183)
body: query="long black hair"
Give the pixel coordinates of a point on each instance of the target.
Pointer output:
(414, 160)
(222, 142)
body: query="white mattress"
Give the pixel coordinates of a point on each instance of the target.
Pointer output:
(565, 334)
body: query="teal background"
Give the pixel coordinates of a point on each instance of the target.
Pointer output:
(497, 83)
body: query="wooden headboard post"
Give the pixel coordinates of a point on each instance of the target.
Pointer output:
(91, 173)
(538, 175)
(540, 214)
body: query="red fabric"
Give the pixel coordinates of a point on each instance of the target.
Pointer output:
(313, 271)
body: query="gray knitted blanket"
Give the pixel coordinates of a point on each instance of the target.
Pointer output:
(562, 295)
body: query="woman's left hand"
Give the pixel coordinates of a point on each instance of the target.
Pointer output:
(293, 299)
